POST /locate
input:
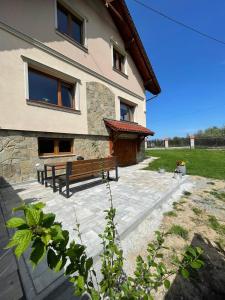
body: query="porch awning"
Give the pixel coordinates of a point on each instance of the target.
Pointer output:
(128, 127)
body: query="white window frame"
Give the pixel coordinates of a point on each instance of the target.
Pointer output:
(114, 45)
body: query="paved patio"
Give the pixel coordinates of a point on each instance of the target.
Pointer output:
(137, 193)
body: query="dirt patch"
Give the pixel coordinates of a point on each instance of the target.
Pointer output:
(198, 219)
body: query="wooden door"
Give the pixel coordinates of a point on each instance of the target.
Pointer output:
(125, 150)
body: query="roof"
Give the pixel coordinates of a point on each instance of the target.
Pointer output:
(129, 127)
(133, 44)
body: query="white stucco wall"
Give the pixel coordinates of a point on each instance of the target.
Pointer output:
(36, 19)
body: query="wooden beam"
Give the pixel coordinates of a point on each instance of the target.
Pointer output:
(129, 43)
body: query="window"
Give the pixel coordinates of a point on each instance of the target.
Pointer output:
(48, 146)
(126, 112)
(50, 90)
(118, 61)
(69, 24)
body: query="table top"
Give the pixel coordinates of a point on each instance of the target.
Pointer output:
(56, 164)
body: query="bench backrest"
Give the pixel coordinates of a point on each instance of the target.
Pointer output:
(82, 168)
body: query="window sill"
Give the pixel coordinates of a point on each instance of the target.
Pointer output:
(121, 73)
(55, 156)
(69, 39)
(52, 106)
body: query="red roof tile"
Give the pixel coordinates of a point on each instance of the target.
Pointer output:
(125, 126)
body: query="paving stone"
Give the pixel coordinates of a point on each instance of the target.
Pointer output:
(135, 194)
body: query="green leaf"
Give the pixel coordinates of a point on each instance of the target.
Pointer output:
(48, 220)
(15, 222)
(192, 251)
(58, 266)
(89, 263)
(33, 216)
(197, 264)
(52, 259)
(185, 273)
(56, 232)
(199, 250)
(21, 207)
(71, 268)
(38, 252)
(46, 238)
(167, 284)
(80, 282)
(24, 238)
(11, 244)
(94, 295)
(39, 205)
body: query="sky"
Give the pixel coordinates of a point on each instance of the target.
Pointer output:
(190, 68)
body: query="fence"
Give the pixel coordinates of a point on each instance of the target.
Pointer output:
(212, 142)
(189, 142)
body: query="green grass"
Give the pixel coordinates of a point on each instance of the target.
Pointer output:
(206, 163)
(215, 225)
(179, 231)
(218, 195)
(170, 213)
(197, 211)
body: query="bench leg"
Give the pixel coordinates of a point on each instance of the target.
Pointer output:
(38, 176)
(116, 172)
(60, 186)
(42, 177)
(46, 176)
(67, 189)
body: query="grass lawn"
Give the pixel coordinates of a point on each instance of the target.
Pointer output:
(207, 163)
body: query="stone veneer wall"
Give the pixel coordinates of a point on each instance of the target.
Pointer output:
(19, 152)
(141, 153)
(100, 104)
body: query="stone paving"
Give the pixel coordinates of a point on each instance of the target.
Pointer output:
(136, 193)
(135, 196)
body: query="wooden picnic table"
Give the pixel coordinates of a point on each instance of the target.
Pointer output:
(53, 167)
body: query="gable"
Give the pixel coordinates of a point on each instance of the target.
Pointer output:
(133, 44)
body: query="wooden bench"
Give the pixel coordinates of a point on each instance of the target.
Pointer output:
(86, 168)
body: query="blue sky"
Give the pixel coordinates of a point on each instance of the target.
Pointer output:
(189, 67)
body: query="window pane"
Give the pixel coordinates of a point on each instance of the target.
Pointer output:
(65, 145)
(42, 88)
(45, 146)
(118, 60)
(67, 95)
(76, 33)
(62, 20)
(124, 112)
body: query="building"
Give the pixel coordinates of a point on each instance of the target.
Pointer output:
(73, 80)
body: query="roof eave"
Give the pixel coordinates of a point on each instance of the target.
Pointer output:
(124, 22)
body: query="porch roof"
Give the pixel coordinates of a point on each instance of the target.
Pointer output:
(129, 127)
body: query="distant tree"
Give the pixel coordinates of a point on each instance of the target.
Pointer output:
(211, 132)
